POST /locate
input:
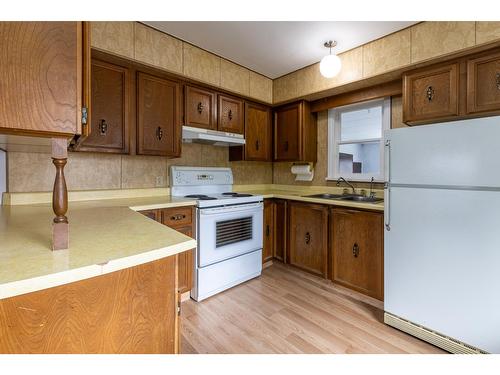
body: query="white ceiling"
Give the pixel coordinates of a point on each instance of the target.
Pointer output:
(276, 48)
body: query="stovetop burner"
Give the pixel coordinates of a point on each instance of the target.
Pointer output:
(237, 195)
(201, 197)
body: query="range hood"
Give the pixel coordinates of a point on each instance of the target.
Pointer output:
(211, 137)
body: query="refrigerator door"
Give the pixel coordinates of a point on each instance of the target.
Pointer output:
(442, 260)
(462, 153)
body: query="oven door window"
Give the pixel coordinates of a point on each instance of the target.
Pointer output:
(224, 235)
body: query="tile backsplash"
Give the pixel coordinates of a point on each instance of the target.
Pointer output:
(30, 172)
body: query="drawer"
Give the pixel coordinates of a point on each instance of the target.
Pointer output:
(177, 217)
(152, 214)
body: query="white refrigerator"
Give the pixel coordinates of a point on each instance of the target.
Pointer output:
(442, 232)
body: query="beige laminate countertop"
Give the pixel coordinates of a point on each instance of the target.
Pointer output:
(105, 236)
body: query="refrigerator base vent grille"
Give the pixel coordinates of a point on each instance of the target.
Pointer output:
(444, 342)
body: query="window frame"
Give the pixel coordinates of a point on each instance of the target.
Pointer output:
(334, 140)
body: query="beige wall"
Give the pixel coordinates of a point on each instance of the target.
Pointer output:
(29, 172)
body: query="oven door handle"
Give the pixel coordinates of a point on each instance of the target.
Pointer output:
(254, 207)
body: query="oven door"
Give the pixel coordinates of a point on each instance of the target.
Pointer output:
(229, 231)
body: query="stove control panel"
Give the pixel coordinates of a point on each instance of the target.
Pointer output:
(190, 176)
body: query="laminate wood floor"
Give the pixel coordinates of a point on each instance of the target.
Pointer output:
(290, 311)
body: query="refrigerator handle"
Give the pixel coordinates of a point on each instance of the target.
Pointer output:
(387, 187)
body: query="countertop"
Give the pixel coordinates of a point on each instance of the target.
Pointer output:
(105, 236)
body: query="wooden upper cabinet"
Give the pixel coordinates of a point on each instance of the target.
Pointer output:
(41, 78)
(308, 245)
(483, 84)
(109, 123)
(200, 108)
(431, 94)
(230, 115)
(158, 116)
(357, 250)
(295, 133)
(258, 132)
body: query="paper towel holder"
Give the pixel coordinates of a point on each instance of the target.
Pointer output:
(303, 171)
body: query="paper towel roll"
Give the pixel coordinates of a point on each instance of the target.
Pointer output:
(303, 172)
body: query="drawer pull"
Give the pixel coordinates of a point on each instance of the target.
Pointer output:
(308, 238)
(200, 107)
(430, 93)
(498, 81)
(177, 217)
(103, 127)
(230, 115)
(355, 250)
(159, 133)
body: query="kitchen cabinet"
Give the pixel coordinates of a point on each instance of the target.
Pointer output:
(230, 115)
(280, 229)
(41, 69)
(109, 123)
(183, 220)
(357, 250)
(134, 310)
(158, 116)
(200, 108)
(295, 133)
(483, 84)
(268, 229)
(258, 135)
(431, 93)
(308, 234)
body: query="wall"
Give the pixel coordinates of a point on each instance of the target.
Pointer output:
(29, 172)
(417, 44)
(281, 171)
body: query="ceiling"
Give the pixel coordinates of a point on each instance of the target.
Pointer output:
(277, 48)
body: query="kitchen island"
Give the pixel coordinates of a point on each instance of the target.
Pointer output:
(113, 291)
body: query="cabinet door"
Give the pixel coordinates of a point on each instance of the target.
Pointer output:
(483, 84)
(309, 237)
(280, 229)
(200, 108)
(431, 94)
(186, 265)
(257, 132)
(158, 120)
(268, 246)
(110, 109)
(287, 132)
(230, 115)
(357, 249)
(40, 78)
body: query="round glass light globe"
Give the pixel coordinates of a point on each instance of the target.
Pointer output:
(330, 66)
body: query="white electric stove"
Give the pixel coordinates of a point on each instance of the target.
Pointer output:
(228, 228)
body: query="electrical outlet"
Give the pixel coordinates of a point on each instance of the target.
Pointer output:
(159, 181)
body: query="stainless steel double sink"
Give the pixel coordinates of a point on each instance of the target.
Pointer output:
(345, 197)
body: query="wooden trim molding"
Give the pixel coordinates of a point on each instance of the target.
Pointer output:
(383, 90)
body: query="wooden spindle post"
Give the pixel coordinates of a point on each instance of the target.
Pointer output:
(60, 225)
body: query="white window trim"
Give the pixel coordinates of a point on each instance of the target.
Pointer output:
(334, 134)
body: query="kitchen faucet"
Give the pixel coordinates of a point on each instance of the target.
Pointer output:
(344, 180)
(372, 194)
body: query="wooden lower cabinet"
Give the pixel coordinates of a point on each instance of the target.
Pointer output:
(128, 311)
(357, 250)
(280, 229)
(268, 229)
(308, 237)
(183, 220)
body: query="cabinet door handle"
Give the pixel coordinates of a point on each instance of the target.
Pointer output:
(286, 145)
(103, 127)
(430, 93)
(308, 238)
(257, 145)
(230, 115)
(159, 133)
(177, 217)
(355, 250)
(267, 230)
(200, 107)
(498, 81)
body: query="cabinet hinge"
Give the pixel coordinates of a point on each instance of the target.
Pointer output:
(84, 115)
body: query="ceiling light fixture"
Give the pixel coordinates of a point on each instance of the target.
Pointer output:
(330, 64)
